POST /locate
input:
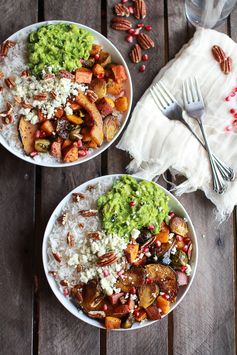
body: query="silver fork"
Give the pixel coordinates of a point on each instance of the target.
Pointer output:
(170, 108)
(194, 106)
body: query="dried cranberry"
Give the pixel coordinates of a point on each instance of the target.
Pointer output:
(148, 27)
(145, 57)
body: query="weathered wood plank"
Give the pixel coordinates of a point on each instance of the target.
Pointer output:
(17, 219)
(59, 331)
(204, 322)
(152, 339)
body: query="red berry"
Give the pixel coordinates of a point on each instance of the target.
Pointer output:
(105, 307)
(149, 280)
(158, 244)
(185, 248)
(131, 31)
(171, 214)
(136, 32)
(142, 68)
(106, 272)
(233, 94)
(166, 296)
(235, 89)
(131, 9)
(227, 98)
(79, 143)
(140, 25)
(150, 227)
(235, 115)
(183, 268)
(179, 238)
(66, 292)
(33, 154)
(132, 203)
(148, 27)
(129, 39)
(145, 250)
(133, 290)
(123, 1)
(100, 76)
(228, 128)
(82, 152)
(37, 134)
(235, 122)
(97, 56)
(232, 110)
(136, 313)
(145, 57)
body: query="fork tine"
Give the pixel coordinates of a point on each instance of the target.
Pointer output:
(168, 93)
(188, 91)
(194, 89)
(159, 93)
(199, 94)
(156, 99)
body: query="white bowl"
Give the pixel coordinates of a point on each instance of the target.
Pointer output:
(116, 57)
(174, 205)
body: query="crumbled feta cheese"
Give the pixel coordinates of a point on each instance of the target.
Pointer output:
(135, 233)
(173, 250)
(188, 271)
(73, 260)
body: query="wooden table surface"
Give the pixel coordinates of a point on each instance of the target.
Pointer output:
(31, 318)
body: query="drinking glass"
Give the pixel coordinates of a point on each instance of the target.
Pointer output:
(208, 13)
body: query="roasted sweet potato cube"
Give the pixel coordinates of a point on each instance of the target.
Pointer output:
(140, 261)
(153, 312)
(113, 88)
(74, 119)
(48, 127)
(163, 235)
(75, 106)
(27, 134)
(66, 143)
(112, 323)
(98, 71)
(131, 252)
(86, 134)
(115, 297)
(163, 304)
(96, 48)
(55, 150)
(105, 58)
(121, 103)
(140, 315)
(121, 310)
(91, 144)
(119, 73)
(83, 75)
(96, 132)
(110, 127)
(59, 112)
(70, 154)
(104, 106)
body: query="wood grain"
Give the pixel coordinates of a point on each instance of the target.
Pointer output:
(16, 229)
(204, 322)
(59, 331)
(152, 339)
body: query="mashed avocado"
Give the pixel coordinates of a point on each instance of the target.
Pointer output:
(119, 216)
(57, 47)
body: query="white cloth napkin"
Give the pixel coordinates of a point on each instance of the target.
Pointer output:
(157, 144)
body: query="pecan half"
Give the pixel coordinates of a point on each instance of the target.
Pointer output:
(10, 44)
(121, 10)
(10, 83)
(88, 213)
(4, 47)
(77, 196)
(218, 54)
(120, 24)
(63, 219)
(79, 268)
(25, 73)
(8, 111)
(107, 259)
(64, 283)
(66, 74)
(91, 96)
(70, 240)
(17, 99)
(49, 76)
(136, 54)
(145, 41)
(8, 119)
(41, 96)
(1, 74)
(97, 314)
(53, 273)
(81, 225)
(94, 235)
(90, 187)
(53, 95)
(226, 66)
(77, 293)
(26, 105)
(57, 257)
(139, 9)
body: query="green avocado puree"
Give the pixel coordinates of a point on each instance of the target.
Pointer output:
(121, 218)
(58, 47)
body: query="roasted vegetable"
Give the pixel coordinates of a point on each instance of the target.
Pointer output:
(163, 304)
(96, 49)
(62, 128)
(112, 323)
(182, 278)
(140, 314)
(110, 127)
(166, 278)
(165, 247)
(27, 134)
(153, 312)
(131, 278)
(119, 73)
(115, 297)
(180, 258)
(89, 62)
(128, 322)
(147, 294)
(163, 235)
(55, 150)
(92, 297)
(59, 112)
(75, 134)
(121, 103)
(105, 58)
(98, 71)
(104, 106)
(120, 311)
(178, 226)
(131, 252)
(74, 119)
(96, 131)
(113, 88)
(42, 145)
(70, 154)
(99, 87)
(66, 143)
(83, 75)
(48, 127)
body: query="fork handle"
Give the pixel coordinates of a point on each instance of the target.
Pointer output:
(218, 183)
(226, 172)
